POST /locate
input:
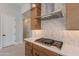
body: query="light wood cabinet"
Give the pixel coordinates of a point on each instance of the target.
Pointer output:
(41, 51)
(28, 49)
(36, 11)
(38, 53)
(72, 16)
(35, 50)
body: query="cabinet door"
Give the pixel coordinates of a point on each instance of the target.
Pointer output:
(36, 23)
(72, 16)
(28, 50)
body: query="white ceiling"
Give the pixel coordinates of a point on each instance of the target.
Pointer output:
(15, 4)
(18, 4)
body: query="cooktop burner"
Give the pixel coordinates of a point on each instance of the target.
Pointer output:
(50, 42)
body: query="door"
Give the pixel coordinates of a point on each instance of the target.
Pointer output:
(8, 30)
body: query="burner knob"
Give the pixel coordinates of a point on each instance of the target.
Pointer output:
(46, 43)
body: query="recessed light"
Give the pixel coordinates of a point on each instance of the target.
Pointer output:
(33, 5)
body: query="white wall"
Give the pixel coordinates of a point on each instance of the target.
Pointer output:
(55, 29)
(47, 8)
(7, 9)
(60, 6)
(25, 7)
(26, 15)
(27, 27)
(19, 26)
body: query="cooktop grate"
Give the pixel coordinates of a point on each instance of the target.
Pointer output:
(50, 42)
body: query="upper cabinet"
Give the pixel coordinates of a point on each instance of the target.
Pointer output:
(72, 16)
(35, 11)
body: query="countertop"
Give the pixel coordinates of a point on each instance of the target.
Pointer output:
(66, 50)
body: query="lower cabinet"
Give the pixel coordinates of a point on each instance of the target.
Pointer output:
(28, 50)
(35, 50)
(38, 53)
(38, 50)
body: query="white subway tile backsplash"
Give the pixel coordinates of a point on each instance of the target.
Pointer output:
(37, 33)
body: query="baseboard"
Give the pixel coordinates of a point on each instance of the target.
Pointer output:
(0, 47)
(20, 42)
(15, 43)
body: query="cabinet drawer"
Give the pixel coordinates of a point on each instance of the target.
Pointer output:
(44, 50)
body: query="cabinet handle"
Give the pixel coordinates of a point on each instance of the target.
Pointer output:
(36, 54)
(32, 52)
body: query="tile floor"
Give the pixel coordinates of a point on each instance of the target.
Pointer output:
(14, 50)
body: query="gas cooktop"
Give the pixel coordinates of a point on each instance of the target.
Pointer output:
(50, 42)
